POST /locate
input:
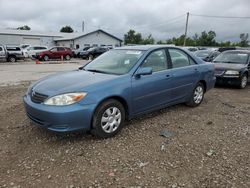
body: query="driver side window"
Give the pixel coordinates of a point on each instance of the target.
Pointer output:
(157, 60)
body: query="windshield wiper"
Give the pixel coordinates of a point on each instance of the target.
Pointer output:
(95, 70)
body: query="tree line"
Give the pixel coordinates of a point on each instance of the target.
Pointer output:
(203, 39)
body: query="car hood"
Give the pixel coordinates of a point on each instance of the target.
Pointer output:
(73, 81)
(227, 66)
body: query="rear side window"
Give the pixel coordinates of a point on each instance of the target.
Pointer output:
(157, 60)
(60, 49)
(179, 58)
(1, 49)
(13, 49)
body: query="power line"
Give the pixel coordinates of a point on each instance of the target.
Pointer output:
(222, 17)
(162, 22)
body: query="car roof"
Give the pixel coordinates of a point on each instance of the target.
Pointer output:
(143, 47)
(238, 51)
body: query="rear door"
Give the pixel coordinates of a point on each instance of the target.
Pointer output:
(150, 91)
(185, 73)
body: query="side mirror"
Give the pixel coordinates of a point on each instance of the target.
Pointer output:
(144, 71)
(81, 68)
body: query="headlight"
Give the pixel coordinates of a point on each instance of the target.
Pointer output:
(65, 99)
(231, 72)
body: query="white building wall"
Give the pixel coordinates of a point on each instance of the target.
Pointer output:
(10, 39)
(97, 38)
(24, 39)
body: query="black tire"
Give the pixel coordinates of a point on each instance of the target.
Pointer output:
(91, 57)
(243, 81)
(67, 57)
(100, 112)
(46, 58)
(193, 102)
(12, 59)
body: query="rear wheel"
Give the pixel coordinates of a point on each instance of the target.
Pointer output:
(243, 81)
(108, 119)
(46, 58)
(67, 57)
(197, 95)
(12, 59)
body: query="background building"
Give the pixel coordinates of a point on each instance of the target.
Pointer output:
(49, 39)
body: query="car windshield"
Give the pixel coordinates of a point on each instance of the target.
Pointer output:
(232, 57)
(115, 62)
(90, 49)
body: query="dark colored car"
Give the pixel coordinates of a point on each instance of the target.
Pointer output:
(233, 67)
(77, 51)
(207, 55)
(93, 52)
(120, 84)
(56, 53)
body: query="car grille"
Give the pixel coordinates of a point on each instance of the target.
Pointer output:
(38, 97)
(219, 72)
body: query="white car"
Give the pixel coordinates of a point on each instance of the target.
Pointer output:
(33, 50)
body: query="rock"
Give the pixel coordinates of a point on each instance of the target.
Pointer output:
(166, 133)
(143, 164)
(209, 123)
(210, 152)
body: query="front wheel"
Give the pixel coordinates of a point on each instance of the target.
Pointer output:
(91, 57)
(243, 81)
(108, 119)
(197, 95)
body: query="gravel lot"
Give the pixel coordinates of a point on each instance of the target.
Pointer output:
(29, 70)
(208, 147)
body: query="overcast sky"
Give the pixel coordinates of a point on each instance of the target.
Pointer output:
(161, 18)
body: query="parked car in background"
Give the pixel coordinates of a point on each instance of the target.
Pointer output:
(93, 52)
(11, 53)
(14, 53)
(24, 46)
(76, 52)
(33, 50)
(233, 67)
(191, 48)
(207, 55)
(55, 53)
(120, 84)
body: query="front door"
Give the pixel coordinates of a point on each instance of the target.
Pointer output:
(150, 91)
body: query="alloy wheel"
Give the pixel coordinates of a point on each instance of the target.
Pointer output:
(198, 94)
(111, 119)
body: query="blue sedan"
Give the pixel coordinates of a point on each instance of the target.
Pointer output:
(118, 85)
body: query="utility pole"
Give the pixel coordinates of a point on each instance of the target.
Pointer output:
(82, 26)
(185, 35)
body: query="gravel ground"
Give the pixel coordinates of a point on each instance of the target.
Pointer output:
(208, 147)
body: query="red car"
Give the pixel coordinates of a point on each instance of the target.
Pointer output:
(56, 53)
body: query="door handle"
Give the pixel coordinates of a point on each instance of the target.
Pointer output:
(168, 76)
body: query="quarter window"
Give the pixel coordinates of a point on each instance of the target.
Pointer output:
(157, 60)
(179, 58)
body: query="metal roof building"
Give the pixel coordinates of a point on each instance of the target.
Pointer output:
(73, 40)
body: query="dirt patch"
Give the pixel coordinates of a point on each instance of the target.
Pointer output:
(208, 147)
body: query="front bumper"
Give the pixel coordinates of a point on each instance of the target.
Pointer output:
(69, 118)
(234, 80)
